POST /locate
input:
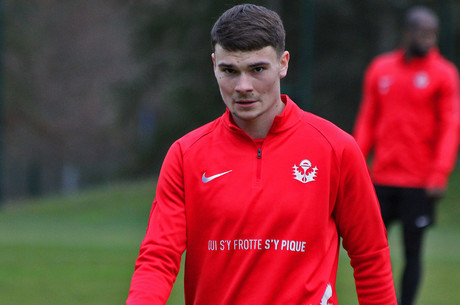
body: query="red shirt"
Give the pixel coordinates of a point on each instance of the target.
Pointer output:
(261, 220)
(410, 117)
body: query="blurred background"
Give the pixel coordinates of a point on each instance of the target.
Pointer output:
(96, 91)
(93, 93)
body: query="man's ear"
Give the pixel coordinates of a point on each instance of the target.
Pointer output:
(284, 64)
(213, 56)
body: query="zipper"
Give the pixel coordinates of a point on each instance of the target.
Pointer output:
(259, 162)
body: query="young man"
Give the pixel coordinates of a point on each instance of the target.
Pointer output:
(260, 197)
(410, 118)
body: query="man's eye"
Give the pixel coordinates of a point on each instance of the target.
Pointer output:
(228, 71)
(259, 69)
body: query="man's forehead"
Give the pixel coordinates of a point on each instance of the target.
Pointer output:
(266, 54)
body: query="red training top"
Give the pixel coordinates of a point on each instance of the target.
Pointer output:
(260, 220)
(410, 117)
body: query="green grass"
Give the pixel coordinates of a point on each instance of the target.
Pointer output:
(73, 250)
(80, 249)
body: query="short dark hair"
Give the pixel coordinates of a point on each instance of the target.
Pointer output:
(248, 27)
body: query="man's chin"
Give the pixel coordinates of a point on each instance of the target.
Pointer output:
(244, 114)
(416, 51)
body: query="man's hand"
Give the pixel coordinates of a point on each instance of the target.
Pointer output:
(435, 193)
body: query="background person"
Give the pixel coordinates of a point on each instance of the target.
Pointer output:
(409, 118)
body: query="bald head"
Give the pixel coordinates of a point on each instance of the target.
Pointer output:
(420, 16)
(420, 31)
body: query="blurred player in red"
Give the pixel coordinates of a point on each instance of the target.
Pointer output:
(409, 118)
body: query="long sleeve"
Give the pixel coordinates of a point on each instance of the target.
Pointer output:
(364, 236)
(367, 115)
(448, 109)
(160, 253)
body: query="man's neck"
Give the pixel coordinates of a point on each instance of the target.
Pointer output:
(408, 55)
(256, 130)
(259, 127)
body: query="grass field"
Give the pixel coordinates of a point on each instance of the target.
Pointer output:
(80, 249)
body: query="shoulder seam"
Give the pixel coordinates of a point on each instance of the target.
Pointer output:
(189, 145)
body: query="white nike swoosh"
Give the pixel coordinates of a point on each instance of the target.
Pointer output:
(207, 179)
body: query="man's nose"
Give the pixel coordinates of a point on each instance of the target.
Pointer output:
(244, 83)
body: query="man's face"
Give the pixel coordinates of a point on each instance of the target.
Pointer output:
(422, 37)
(249, 82)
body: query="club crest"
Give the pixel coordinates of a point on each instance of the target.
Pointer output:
(385, 83)
(421, 80)
(304, 171)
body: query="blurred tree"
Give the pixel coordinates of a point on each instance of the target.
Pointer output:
(62, 59)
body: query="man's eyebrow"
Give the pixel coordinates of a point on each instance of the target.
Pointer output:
(260, 63)
(256, 64)
(224, 65)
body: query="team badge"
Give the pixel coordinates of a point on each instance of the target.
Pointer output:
(304, 172)
(421, 80)
(385, 84)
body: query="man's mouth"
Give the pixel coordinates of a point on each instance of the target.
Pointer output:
(245, 102)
